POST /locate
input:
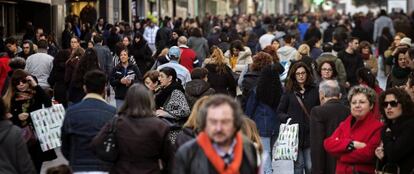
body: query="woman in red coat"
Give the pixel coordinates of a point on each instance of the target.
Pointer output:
(354, 141)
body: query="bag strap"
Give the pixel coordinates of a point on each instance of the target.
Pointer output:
(302, 106)
(113, 125)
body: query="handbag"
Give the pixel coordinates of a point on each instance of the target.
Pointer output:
(286, 146)
(29, 137)
(107, 150)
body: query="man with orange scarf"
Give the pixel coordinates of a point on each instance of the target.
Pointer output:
(220, 146)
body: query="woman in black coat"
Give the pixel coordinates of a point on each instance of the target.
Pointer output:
(57, 77)
(300, 87)
(13, 151)
(141, 53)
(23, 96)
(396, 150)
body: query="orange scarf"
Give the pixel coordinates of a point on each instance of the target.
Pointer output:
(233, 168)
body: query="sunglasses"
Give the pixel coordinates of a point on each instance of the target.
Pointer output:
(393, 103)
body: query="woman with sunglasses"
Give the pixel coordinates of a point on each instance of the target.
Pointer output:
(24, 95)
(396, 150)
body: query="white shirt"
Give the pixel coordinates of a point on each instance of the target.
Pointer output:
(150, 33)
(266, 40)
(40, 65)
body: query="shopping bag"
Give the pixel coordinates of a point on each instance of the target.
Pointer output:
(286, 146)
(283, 166)
(47, 123)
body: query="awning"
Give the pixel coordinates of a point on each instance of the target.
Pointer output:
(41, 1)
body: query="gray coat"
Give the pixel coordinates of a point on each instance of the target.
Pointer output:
(200, 46)
(104, 58)
(14, 156)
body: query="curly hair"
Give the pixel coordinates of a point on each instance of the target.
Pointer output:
(260, 60)
(218, 58)
(402, 97)
(273, 52)
(367, 91)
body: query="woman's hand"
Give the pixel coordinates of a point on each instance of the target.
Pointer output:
(359, 145)
(31, 81)
(23, 116)
(160, 112)
(379, 151)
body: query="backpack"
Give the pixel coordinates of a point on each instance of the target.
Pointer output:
(249, 81)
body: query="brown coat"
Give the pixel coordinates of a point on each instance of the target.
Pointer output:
(142, 142)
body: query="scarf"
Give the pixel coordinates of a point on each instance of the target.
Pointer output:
(365, 56)
(25, 95)
(233, 168)
(165, 93)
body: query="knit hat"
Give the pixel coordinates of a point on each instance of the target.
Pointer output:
(405, 41)
(174, 52)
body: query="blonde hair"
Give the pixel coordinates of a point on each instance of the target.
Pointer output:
(164, 52)
(218, 58)
(303, 50)
(249, 129)
(192, 119)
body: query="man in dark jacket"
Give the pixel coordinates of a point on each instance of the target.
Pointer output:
(104, 54)
(198, 86)
(14, 156)
(82, 123)
(219, 147)
(323, 123)
(163, 35)
(352, 61)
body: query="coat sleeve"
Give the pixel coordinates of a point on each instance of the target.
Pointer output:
(24, 162)
(365, 154)
(180, 163)
(113, 80)
(317, 135)
(232, 84)
(337, 144)
(283, 108)
(341, 71)
(396, 150)
(65, 137)
(178, 106)
(43, 97)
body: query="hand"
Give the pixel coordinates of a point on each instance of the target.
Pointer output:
(124, 80)
(31, 81)
(379, 152)
(128, 82)
(23, 116)
(160, 112)
(9, 115)
(347, 85)
(359, 145)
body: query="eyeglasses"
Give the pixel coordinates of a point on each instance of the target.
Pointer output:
(326, 69)
(300, 73)
(393, 103)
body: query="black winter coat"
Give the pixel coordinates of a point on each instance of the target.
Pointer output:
(323, 123)
(196, 89)
(222, 83)
(289, 107)
(352, 62)
(120, 72)
(398, 144)
(142, 55)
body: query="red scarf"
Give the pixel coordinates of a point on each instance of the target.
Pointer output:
(233, 168)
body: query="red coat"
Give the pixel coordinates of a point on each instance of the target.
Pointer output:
(367, 130)
(188, 58)
(4, 70)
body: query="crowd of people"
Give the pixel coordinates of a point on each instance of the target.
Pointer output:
(209, 96)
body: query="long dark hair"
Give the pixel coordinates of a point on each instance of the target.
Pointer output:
(292, 83)
(139, 102)
(366, 76)
(269, 87)
(141, 41)
(89, 61)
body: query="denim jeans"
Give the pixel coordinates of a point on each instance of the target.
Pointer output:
(267, 156)
(303, 162)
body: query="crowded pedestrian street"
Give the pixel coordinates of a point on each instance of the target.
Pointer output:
(206, 87)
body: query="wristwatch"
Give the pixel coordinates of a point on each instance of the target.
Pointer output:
(350, 146)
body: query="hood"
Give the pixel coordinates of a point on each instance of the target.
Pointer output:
(196, 87)
(4, 127)
(286, 53)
